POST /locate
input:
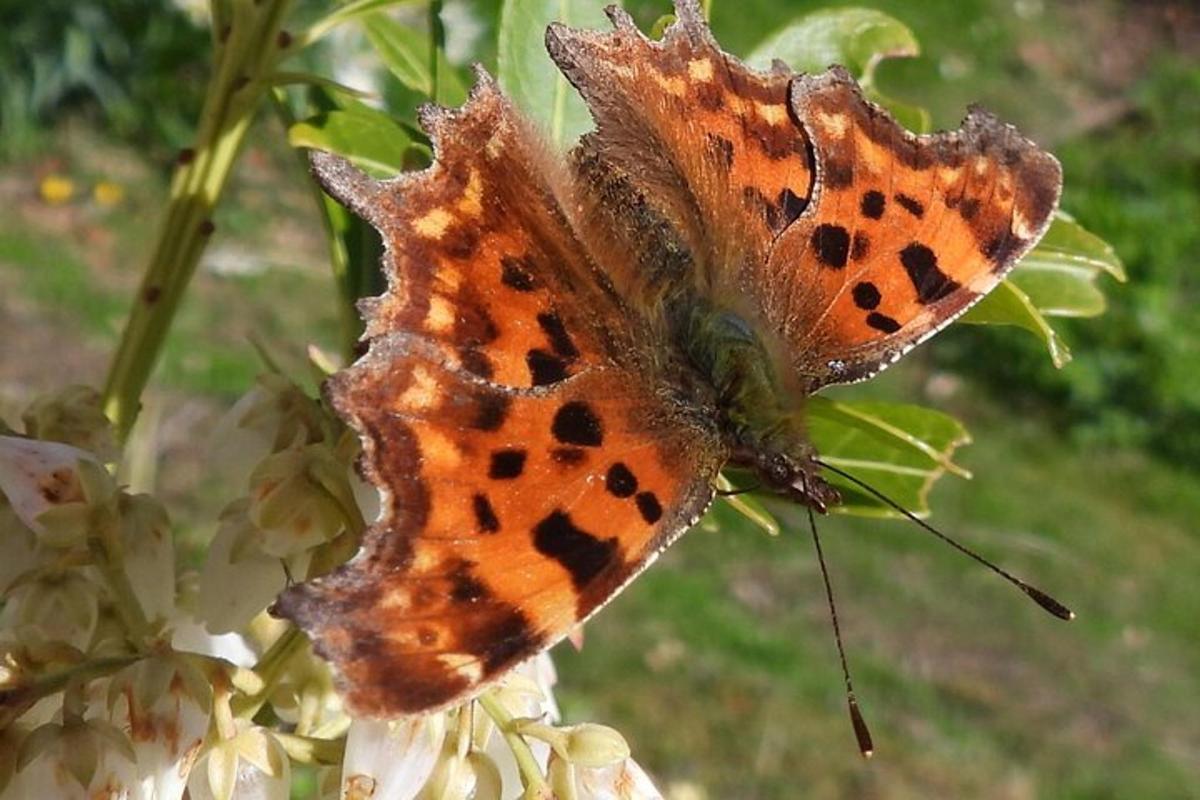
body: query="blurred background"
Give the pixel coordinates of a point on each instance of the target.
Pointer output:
(719, 663)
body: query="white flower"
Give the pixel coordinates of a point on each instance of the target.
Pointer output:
(624, 780)
(251, 766)
(149, 553)
(391, 760)
(238, 580)
(166, 724)
(39, 476)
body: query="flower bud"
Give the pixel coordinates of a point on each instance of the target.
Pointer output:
(73, 416)
(38, 478)
(290, 501)
(591, 745)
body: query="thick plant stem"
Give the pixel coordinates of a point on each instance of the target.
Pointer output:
(250, 46)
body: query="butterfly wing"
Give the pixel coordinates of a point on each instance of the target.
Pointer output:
(801, 205)
(904, 233)
(530, 458)
(708, 141)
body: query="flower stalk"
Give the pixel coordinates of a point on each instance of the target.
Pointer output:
(249, 46)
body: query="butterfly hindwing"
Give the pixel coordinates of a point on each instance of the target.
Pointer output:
(904, 232)
(529, 463)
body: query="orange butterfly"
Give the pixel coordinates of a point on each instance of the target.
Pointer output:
(568, 353)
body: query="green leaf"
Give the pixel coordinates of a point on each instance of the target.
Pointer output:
(899, 449)
(856, 38)
(406, 53)
(345, 13)
(371, 139)
(526, 72)
(1059, 275)
(1055, 279)
(1008, 305)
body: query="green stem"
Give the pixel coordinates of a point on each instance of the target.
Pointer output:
(531, 774)
(310, 750)
(270, 669)
(244, 59)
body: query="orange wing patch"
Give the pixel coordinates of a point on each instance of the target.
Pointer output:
(509, 517)
(904, 232)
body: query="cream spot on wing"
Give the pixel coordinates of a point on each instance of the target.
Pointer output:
(834, 125)
(981, 165)
(866, 152)
(433, 224)
(421, 394)
(700, 69)
(773, 113)
(439, 450)
(464, 665)
(441, 314)
(471, 203)
(1021, 226)
(949, 175)
(396, 597)
(671, 85)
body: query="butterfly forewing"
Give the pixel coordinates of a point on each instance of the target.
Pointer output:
(529, 464)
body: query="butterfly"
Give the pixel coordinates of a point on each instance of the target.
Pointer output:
(571, 349)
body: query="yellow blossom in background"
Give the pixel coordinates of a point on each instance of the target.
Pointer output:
(108, 194)
(56, 189)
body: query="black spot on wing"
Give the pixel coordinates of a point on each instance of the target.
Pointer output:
(620, 481)
(465, 587)
(866, 295)
(576, 423)
(790, 205)
(545, 368)
(560, 341)
(911, 205)
(507, 464)
(873, 203)
(882, 322)
(583, 555)
(721, 148)
(649, 507)
(485, 515)
(832, 245)
(515, 274)
(930, 282)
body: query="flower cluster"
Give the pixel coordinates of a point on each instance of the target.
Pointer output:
(121, 678)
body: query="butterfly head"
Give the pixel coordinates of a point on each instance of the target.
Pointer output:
(795, 476)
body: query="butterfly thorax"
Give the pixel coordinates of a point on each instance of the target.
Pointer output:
(762, 420)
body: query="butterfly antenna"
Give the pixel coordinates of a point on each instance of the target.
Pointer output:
(1037, 595)
(861, 732)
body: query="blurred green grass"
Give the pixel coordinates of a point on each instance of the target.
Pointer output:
(718, 663)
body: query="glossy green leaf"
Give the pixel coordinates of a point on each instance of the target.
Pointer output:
(856, 38)
(371, 139)
(748, 506)
(1008, 305)
(899, 449)
(526, 72)
(405, 51)
(352, 10)
(1056, 279)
